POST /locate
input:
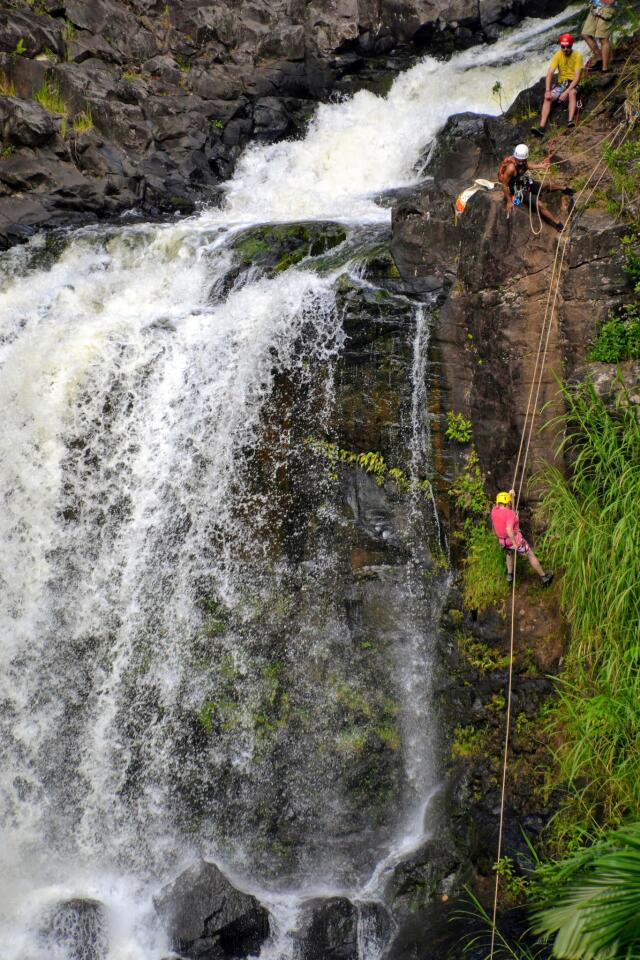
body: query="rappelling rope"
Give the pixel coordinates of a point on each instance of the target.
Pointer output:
(537, 372)
(523, 453)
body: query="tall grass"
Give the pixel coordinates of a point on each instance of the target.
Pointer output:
(83, 121)
(50, 97)
(7, 86)
(593, 534)
(484, 580)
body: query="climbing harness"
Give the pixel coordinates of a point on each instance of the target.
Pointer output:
(521, 463)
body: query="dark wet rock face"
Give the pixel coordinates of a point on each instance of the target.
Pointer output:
(205, 916)
(492, 277)
(77, 929)
(173, 92)
(336, 928)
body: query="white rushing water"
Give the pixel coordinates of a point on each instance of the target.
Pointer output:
(135, 379)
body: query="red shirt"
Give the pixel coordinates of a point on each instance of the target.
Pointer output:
(501, 518)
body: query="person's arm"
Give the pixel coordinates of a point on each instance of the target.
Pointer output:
(572, 85)
(507, 174)
(548, 82)
(510, 530)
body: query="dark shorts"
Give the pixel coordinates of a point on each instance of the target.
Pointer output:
(523, 546)
(528, 191)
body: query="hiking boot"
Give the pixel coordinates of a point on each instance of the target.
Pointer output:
(509, 578)
(559, 226)
(570, 124)
(568, 191)
(538, 131)
(548, 577)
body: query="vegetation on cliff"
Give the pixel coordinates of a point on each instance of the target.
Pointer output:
(583, 879)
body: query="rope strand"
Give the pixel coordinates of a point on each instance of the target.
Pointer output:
(521, 464)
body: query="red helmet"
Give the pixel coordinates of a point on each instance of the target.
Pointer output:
(566, 38)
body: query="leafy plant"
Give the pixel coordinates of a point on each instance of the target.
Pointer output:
(467, 490)
(371, 462)
(511, 881)
(595, 912)
(20, 48)
(469, 741)
(611, 342)
(619, 336)
(458, 427)
(480, 655)
(496, 93)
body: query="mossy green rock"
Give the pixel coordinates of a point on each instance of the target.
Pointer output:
(279, 246)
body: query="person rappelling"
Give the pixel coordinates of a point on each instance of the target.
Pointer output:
(520, 189)
(567, 64)
(506, 527)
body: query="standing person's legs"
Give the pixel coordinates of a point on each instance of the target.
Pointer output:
(535, 563)
(509, 559)
(589, 34)
(525, 550)
(606, 54)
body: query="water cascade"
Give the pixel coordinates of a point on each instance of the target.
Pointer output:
(209, 622)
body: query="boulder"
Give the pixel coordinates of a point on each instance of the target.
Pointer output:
(86, 46)
(206, 916)
(335, 928)
(32, 33)
(25, 123)
(77, 930)
(285, 42)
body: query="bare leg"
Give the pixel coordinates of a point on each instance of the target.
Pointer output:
(593, 46)
(546, 110)
(553, 186)
(546, 215)
(535, 563)
(606, 53)
(573, 101)
(509, 556)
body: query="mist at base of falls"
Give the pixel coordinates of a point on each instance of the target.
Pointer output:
(217, 633)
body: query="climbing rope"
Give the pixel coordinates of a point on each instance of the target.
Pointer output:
(521, 462)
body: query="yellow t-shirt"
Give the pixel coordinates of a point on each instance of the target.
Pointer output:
(566, 65)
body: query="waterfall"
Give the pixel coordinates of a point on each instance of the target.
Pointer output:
(192, 655)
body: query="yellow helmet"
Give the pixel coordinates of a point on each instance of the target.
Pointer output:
(504, 498)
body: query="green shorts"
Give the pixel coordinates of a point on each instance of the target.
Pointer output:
(596, 27)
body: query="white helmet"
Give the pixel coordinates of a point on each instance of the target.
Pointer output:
(521, 152)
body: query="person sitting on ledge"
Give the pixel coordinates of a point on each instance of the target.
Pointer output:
(506, 528)
(519, 187)
(567, 63)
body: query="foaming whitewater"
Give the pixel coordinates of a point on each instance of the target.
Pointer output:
(162, 644)
(368, 144)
